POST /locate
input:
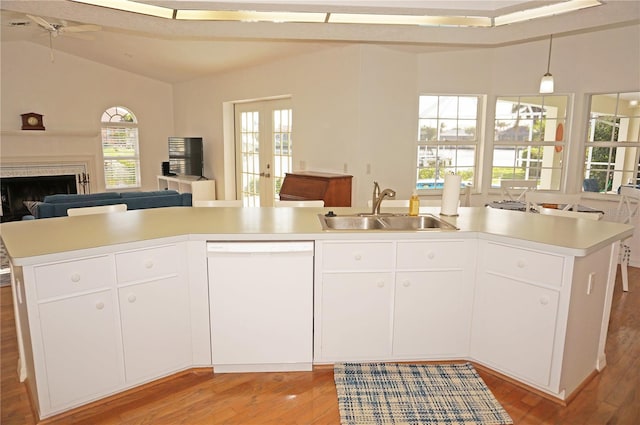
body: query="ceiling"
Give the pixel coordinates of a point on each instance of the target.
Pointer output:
(173, 50)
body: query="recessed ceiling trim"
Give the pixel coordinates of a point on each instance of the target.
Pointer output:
(544, 11)
(454, 21)
(249, 16)
(132, 6)
(344, 18)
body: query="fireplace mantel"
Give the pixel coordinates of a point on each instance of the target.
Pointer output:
(48, 133)
(42, 169)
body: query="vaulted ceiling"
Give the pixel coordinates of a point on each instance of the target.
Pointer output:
(177, 50)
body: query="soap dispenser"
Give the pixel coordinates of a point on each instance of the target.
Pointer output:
(414, 204)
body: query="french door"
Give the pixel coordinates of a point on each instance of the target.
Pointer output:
(263, 149)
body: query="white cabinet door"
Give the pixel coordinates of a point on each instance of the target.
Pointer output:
(356, 316)
(82, 348)
(433, 298)
(155, 328)
(154, 309)
(432, 314)
(514, 327)
(515, 310)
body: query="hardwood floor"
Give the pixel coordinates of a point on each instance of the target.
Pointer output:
(309, 398)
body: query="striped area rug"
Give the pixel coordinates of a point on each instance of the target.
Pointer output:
(384, 393)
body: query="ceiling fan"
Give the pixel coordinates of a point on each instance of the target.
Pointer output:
(59, 29)
(56, 29)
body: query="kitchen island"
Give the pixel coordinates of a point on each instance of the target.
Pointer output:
(523, 294)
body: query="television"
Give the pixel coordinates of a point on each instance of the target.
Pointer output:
(186, 156)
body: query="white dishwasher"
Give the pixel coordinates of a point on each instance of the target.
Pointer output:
(261, 305)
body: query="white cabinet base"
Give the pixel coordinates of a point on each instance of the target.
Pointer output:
(98, 325)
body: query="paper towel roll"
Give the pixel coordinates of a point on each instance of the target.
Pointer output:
(451, 194)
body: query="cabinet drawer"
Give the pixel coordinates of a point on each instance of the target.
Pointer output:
(70, 277)
(357, 256)
(523, 264)
(432, 255)
(147, 263)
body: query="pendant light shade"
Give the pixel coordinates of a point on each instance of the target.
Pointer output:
(546, 84)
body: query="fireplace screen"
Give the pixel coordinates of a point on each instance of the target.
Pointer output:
(18, 191)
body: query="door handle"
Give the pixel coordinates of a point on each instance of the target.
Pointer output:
(266, 173)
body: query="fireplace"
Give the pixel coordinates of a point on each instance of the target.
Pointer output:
(32, 182)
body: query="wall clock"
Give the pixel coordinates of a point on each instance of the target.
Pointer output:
(32, 121)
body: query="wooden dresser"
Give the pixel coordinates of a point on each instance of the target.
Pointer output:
(333, 189)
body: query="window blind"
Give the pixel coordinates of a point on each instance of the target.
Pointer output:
(121, 156)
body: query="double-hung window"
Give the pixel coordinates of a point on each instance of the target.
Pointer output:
(120, 150)
(448, 134)
(529, 140)
(613, 141)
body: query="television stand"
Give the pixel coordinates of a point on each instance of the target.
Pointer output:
(180, 183)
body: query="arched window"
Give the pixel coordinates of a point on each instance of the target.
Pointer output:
(120, 150)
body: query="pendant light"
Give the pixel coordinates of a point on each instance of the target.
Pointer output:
(546, 84)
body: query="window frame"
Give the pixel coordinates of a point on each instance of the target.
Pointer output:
(611, 167)
(533, 145)
(438, 145)
(113, 118)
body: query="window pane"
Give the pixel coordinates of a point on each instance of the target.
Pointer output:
(118, 114)
(121, 173)
(283, 147)
(120, 141)
(468, 108)
(448, 107)
(428, 106)
(428, 129)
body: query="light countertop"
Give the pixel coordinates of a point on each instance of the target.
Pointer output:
(34, 241)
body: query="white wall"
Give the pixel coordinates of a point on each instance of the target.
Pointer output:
(72, 93)
(351, 105)
(324, 90)
(386, 149)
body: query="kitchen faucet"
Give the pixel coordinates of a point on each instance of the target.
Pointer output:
(376, 192)
(378, 196)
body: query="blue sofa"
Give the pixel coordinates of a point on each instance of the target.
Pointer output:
(57, 205)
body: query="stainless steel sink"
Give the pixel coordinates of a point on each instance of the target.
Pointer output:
(394, 222)
(420, 222)
(350, 222)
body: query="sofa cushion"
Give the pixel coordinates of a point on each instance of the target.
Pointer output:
(61, 198)
(145, 194)
(140, 202)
